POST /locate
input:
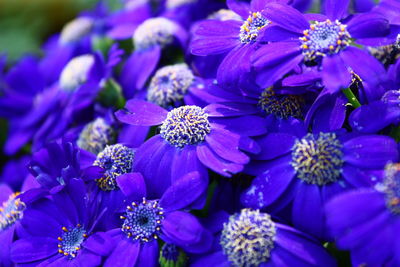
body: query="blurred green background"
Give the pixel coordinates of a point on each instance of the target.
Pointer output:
(26, 24)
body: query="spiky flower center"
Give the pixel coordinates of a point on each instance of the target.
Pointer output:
(248, 238)
(70, 241)
(115, 160)
(154, 31)
(251, 27)
(142, 220)
(282, 106)
(224, 14)
(392, 187)
(324, 38)
(186, 125)
(11, 211)
(74, 30)
(318, 159)
(170, 84)
(95, 136)
(75, 73)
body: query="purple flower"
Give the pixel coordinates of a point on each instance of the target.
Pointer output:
(252, 238)
(308, 170)
(366, 221)
(191, 139)
(326, 43)
(236, 38)
(58, 230)
(145, 221)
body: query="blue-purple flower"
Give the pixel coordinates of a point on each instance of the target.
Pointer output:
(309, 169)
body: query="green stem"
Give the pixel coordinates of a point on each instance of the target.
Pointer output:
(351, 97)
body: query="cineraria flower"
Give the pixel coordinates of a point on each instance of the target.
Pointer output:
(252, 238)
(309, 169)
(149, 39)
(145, 221)
(11, 211)
(75, 39)
(190, 139)
(366, 221)
(64, 238)
(235, 38)
(50, 111)
(329, 42)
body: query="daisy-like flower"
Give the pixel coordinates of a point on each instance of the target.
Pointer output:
(190, 139)
(307, 170)
(58, 230)
(328, 42)
(366, 221)
(235, 38)
(143, 222)
(252, 238)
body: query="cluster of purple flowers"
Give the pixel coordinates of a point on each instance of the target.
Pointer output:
(202, 133)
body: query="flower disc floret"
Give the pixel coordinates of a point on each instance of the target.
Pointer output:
(251, 27)
(75, 73)
(170, 84)
(154, 31)
(142, 220)
(11, 211)
(95, 136)
(70, 241)
(282, 106)
(115, 160)
(324, 38)
(392, 187)
(186, 125)
(248, 238)
(318, 159)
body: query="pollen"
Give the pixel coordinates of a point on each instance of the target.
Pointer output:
(324, 38)
(143, 221)
(95, 136)
(186, 125)
(154, 31)
(247, 239)
(318, 159)
(250, 28)
(169, 85)
(115, 160)
(11, 211)
(282, 106)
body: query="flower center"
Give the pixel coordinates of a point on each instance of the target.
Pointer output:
(251, 27)
(392, 187)
(71, 240)
(248, 238)
(282, 106)
(324, 38)
(224, 14)
(74, 30)
(170, 84)
(95, 136)
(115, 160)
(75, 72)
(318, 159)
(11, 211)
(171, 255)
(186, 125)
(142, 220)
(154, 31)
